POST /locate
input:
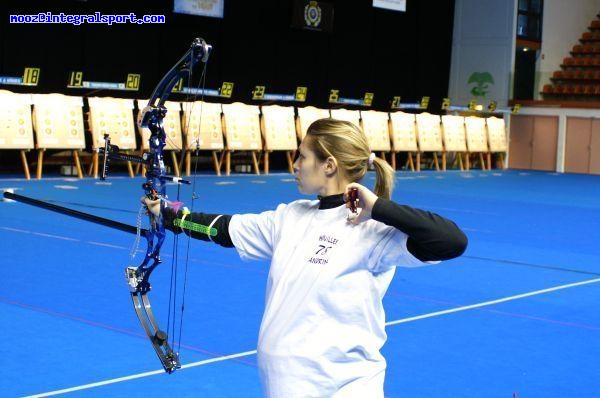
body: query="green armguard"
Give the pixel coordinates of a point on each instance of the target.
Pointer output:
(192, 226)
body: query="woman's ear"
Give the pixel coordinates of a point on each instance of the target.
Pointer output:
(330, 166)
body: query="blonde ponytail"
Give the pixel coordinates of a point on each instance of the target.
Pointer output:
(384, 178)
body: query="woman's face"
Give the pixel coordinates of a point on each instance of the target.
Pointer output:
(309, 171)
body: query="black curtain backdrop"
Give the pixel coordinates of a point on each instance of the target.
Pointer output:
(369, 49)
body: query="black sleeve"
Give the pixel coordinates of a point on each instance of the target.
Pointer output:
(199, 226)
(431, 237)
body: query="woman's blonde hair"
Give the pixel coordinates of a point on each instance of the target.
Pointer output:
(348, 145)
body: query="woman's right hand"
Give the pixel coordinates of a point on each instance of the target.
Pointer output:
(366, 201)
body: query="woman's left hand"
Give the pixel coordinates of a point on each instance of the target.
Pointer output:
(153, 205)
(366, 201)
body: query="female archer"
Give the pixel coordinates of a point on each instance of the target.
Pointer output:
(332, 260)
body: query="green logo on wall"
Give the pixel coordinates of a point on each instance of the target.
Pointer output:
(482, 81)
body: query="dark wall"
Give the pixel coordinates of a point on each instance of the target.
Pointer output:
(375, 50)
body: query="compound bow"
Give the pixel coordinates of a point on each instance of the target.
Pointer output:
(151, 117)
(138, 278)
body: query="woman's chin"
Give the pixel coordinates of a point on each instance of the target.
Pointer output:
(303, 189)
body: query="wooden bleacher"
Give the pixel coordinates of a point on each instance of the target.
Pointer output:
(578, 78)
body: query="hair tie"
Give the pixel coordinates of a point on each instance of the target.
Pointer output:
(371, 159)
